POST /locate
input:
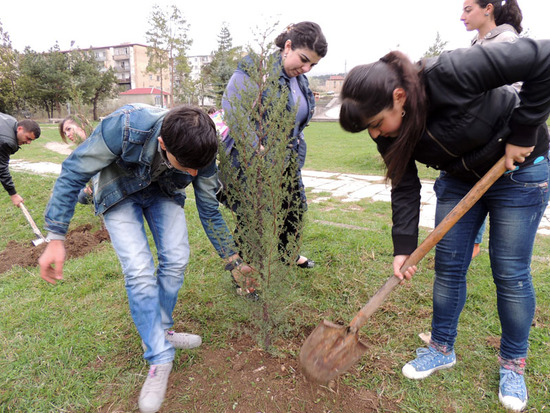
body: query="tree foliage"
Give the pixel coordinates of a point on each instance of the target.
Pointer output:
(9, 73)
(260, 125)
(168, 41)
(224, 62)
(45, 79)
(436, 48)
(91, 82)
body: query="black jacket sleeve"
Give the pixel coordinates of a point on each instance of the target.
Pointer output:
(5, 151)
(405, 203)
(469, 72)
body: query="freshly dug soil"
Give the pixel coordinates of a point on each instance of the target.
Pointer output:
(80, 241)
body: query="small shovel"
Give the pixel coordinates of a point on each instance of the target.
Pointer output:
(331, 349)
(40, 238)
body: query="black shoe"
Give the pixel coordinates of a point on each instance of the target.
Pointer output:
(306, 264)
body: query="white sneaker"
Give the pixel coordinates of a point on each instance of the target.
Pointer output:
(179, 340)
(182, 340)
(154, 389)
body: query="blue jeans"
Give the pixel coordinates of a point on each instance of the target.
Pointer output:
(151, 297)
(516, 204)
(479, 236)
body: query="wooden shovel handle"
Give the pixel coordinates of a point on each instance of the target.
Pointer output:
(431, 240)
(30, 220)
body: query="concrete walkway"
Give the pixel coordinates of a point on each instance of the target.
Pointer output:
(351, 188)
(347, 187)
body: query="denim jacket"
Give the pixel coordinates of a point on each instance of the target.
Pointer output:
(121, 149)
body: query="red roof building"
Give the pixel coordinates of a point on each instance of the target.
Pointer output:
(149, 95)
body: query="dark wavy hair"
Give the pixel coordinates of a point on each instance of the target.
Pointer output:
(506, 12)
(190, 135)
(304, 35)
(368, 89)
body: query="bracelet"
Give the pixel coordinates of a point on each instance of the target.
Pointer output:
(230, 266)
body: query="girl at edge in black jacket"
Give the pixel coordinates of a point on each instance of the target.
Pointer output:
(456, 113)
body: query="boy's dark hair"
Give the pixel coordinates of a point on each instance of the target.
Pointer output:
(190, 135)
(30, 126)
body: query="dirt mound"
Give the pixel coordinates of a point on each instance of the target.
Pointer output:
(243, 378)
(80, 241)
(263, 383)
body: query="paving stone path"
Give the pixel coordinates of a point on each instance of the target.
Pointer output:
(351, 188)
(347, 187)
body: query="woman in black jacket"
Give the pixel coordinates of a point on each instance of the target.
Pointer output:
(456, 113)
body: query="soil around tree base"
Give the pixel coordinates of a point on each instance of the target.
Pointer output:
(243, 378)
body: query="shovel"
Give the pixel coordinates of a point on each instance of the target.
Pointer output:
(331, 348)
(40, 238)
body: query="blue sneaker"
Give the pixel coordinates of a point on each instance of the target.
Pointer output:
(427, 361)
(512, 392)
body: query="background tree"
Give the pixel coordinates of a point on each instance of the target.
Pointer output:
(224, 63)
(9, 73)
(436, 48)
(91, 81)
(45, 79)
(168, 43)
(156, 38)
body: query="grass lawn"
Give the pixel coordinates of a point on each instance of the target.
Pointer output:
(72, 347)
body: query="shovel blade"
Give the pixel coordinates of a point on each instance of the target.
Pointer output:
(330, 350)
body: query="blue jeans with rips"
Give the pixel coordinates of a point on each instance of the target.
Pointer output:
(152, 295)
(516, 204)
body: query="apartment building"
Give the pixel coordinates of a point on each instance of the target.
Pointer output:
(129, 60)
(196, 63)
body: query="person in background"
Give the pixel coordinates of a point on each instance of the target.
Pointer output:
(301, 47)
(72, 128)
(494, 21)
(13, 134)
(145, 157)
(456, 113)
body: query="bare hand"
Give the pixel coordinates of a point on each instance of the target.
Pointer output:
(16, 199)
(398, 262)
(241, 274)
(51, 261)
(516, 154)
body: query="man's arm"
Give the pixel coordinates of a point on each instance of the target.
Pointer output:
(86, 161)
(5, 176)
(206, 185)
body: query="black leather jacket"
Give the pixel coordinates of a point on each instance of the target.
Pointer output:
(8, 146)
(472, 114)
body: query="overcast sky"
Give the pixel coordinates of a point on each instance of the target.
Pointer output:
(357, 31)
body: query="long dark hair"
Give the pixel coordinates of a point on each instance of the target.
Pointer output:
(304, 35)
(368, 89)
(506, 12)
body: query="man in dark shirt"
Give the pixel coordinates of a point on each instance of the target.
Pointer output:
(13, 134)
